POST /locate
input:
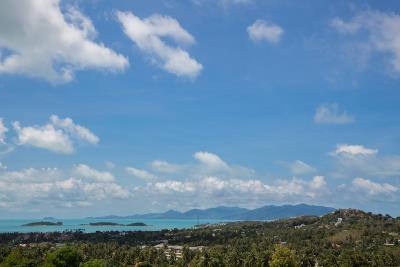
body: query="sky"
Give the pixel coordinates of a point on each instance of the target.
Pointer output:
(125, 107)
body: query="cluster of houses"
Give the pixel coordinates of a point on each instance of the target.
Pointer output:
(41, 244)
(170, 250)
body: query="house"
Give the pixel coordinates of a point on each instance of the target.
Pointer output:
(339, 221)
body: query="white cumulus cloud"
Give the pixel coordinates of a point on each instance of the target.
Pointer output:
(207, 164)
(383, 33)
(46, 137)
(141, 174)
(53, 187)
(354, 150)
(2, 166)
(70, 127)
(262, 30)
(299, 167)
(318, 182)
(147, 34)
(3, 131)
(44, 42)
(213, 190)
(164, 166)
(330, 114)
(211, 160)
(358, 160)
(373, 188)
(56, 136)
(85, 171)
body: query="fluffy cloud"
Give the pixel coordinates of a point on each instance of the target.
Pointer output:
(211, 160)
(46, 137)
(56, 136)
(330, 114)
(299, 167)
(354, 150)
(50, 44)
(5, 147)
(357, 160)
(54, 187)
(209, 181)
(210, 164)
(73, 129)
(141, 174)
(212, 181)
(173, 186)
(206, 164)
(31, 175)
(147, 33)
(2, 166)
(373, 188)
(318, 182)
(166, 167)
(3, 131)
(262, 30)
(212, 190)
(85, 171)
(383, 33)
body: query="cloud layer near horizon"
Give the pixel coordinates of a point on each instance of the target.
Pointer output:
(205, 182)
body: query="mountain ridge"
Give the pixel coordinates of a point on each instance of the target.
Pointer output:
(267, 212)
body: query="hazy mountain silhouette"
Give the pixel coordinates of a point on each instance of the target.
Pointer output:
(269, 212)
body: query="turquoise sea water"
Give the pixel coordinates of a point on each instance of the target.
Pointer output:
(76, 224)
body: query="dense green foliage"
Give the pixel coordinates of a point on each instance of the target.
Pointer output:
(357, 239)
(283, 256)
(64, 257)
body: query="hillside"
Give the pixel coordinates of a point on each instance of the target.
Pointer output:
(280, 212)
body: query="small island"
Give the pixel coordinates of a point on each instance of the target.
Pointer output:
(43, 223)
(103, 224)
(114, 224)
(137, 224)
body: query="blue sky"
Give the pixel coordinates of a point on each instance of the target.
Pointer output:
(125, 107)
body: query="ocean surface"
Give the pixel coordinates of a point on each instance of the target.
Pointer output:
(7, 226)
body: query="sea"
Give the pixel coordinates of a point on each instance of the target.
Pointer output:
(9, 226)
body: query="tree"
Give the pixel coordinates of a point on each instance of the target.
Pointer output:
(143, 264)
(96, 263)
(17, 259)
(64, 257)
(187, 255)
(283, 257)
